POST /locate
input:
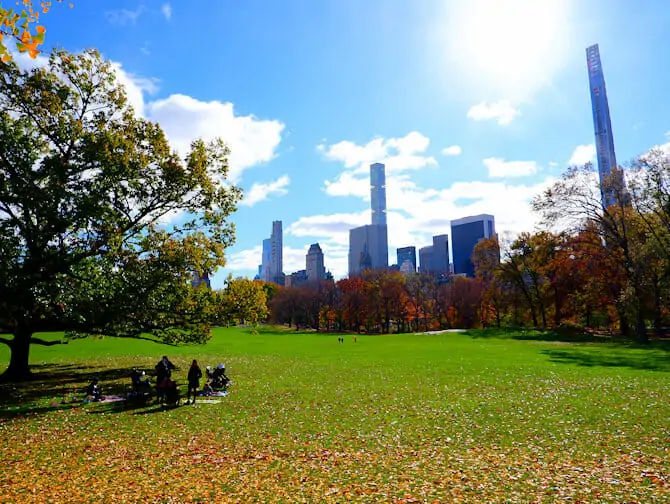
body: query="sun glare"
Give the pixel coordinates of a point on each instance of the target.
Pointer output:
(512, 45)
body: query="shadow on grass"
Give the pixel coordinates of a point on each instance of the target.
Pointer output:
(558, 335)
(650, 359)
(55, 386)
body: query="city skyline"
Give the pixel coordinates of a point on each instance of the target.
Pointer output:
(463, 126)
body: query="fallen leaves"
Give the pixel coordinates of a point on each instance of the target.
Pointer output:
(458, 426)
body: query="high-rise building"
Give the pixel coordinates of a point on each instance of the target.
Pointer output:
(602, 123)
(314, 263)
(368, 249)
(199, 279)
(465, 234)
(368, 245)
(426, 259)
(296, 279)
(276, 274)
(407, 259)
(440, 255)
(378, 194)
(266, 257)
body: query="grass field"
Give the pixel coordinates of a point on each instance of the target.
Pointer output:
(479, 417)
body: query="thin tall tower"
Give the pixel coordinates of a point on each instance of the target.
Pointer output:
(378, 194)
(601, 123)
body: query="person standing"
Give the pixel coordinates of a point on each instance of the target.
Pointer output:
(194, 375)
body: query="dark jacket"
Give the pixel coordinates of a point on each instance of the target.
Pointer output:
(194, 374)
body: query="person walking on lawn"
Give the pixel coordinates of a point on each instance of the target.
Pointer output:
(194, 375)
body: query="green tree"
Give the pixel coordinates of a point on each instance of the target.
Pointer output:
(84, 185)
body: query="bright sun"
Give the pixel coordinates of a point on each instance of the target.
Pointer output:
(512, 44)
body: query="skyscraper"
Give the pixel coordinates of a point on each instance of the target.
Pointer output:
(277, 254)
(407, 259)
(440, 255)
(465, 234)
(264, 273)
(368, 245)
(368, 249)
(199, 279)
(378, 194)
(426, 259)
(602, 123)
(314, 263)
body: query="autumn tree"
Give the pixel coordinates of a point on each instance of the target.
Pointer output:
(84, 186)
(575, 202)
(15, 25)
(486, 260)
(353, 301)
(243, 301)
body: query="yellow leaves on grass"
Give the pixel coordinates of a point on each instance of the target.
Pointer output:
(17, 26)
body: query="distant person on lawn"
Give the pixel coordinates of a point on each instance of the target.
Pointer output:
(194, 375)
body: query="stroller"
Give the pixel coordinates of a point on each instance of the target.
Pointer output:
(218, 379)
(169, 394)
(141, 392)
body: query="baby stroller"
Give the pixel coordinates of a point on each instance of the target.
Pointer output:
(171, 394)
(141, 391)
(219, 380)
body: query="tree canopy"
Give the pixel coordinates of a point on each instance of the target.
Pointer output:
(86, 191)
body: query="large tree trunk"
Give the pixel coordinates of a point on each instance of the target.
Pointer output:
(19, 369)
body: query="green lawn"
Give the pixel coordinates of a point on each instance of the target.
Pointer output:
(480, 417)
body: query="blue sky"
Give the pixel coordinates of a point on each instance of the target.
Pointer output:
(475, 106)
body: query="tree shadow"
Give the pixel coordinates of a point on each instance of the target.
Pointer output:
(63, 386)
(650, 360)
(558, 335)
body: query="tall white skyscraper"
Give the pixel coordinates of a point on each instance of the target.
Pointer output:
(368, 245)
(378, 194)
(277, 254)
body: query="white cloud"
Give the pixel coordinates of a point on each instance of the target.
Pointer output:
(248, 259)
(452, 150)
(252, 141)
(332, 227)
(124, 16)
(583, 154)
(166, 9)
(398, 154)
(348, 184)
(502, 111)
(137, 88)
(260, 192)
(499, 168)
